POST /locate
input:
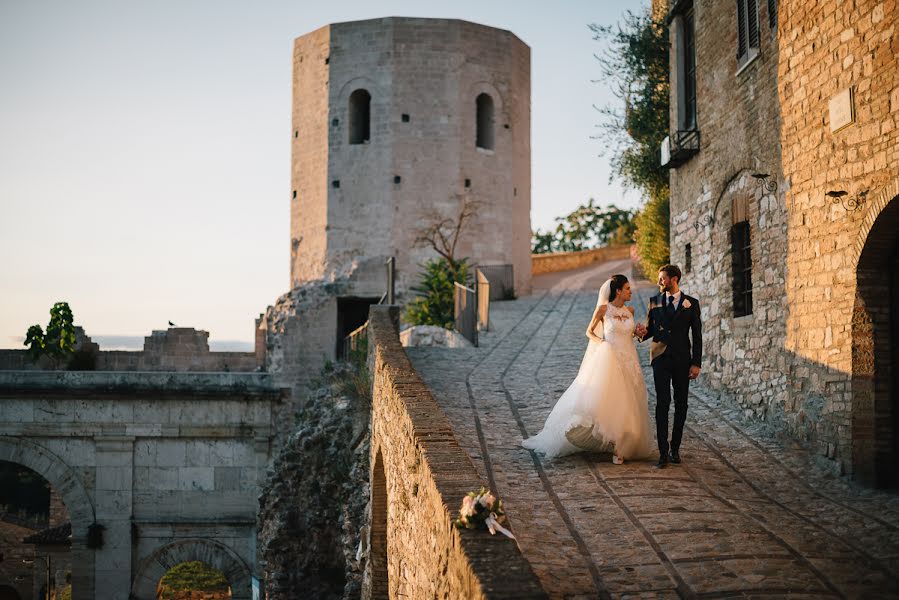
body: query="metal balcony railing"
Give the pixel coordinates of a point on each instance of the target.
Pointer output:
(679, 149)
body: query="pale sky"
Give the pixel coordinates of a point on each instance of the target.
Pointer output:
(145, 149)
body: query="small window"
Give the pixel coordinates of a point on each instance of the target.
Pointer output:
(747, 31)
(688, 266)
(405, 118)
(741, 255)
(484, 138)
(772, 14)
(360, 117)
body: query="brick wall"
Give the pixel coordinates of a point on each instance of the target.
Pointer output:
(419, 477)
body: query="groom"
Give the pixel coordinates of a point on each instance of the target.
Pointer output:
(671, 316)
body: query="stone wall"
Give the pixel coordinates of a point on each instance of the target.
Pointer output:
(791, 361)
(418, 479)
(175, 349)
(564, 261)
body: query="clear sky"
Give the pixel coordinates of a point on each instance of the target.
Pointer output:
(145, 148)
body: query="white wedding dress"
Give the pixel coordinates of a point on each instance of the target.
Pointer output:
(608, 397)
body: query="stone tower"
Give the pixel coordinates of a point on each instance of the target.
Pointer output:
(395, 120)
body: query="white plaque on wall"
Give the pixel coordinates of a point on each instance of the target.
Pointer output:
(842, 110)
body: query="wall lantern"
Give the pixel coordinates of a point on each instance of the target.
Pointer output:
(765, 182)
(850, 203)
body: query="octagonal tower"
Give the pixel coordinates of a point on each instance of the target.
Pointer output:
(394, 121)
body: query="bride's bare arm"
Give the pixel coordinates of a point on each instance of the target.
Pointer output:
(598, 314)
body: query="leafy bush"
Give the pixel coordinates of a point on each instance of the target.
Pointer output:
(191, 576)
(435, 304)
(58, 342)
(653, 234)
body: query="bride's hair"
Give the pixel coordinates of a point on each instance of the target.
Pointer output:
(618, 282)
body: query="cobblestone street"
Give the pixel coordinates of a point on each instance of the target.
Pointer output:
(745, 515)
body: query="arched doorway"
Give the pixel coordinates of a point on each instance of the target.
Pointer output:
(875, 351)
(78, 504)
(211, 553)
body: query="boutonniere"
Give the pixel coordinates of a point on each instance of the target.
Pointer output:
(686, 303)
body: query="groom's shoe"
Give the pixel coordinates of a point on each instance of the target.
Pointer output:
(674, 457)
(663, 462)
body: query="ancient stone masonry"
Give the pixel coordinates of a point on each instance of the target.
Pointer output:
(169, 464)
(812, 354)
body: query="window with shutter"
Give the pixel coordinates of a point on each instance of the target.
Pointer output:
(747, 31)
(772, 14)
(689, 72)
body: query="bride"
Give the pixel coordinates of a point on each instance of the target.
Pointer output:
(605, 407)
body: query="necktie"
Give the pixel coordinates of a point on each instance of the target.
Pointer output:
(670, 304)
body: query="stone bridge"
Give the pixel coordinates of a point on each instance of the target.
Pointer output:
(169, 465)
(747, 514)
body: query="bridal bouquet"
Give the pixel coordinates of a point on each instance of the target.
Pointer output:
(482, 509)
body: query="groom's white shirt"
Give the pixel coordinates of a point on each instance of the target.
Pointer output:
(676, 298)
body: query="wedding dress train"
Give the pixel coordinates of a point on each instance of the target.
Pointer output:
(605, 407)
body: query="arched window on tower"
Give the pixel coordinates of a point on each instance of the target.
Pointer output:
(360, 117)
(484, 137)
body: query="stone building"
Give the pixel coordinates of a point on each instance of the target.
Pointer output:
(784, 172)
(396, 122)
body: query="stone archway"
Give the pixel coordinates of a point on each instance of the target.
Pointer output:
(875, 346)
(214, 554)
(78, 504)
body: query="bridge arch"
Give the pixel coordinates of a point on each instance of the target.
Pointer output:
(74, 495)
(214, 554)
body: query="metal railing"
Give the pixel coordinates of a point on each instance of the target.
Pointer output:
(465, 313)
(357, 340)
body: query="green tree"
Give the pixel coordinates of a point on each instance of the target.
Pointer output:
(588, 226)
(636, 61)
(58, 342)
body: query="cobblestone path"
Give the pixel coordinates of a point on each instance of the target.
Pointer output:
(744, 515)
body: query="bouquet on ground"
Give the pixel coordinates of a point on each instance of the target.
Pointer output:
(482, 509)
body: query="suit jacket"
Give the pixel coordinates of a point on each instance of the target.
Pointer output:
(671, 333)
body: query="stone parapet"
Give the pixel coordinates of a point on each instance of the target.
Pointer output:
(564, 261)
(419, 476)
(87, 383)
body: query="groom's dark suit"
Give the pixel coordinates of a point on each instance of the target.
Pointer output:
(671, 355)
